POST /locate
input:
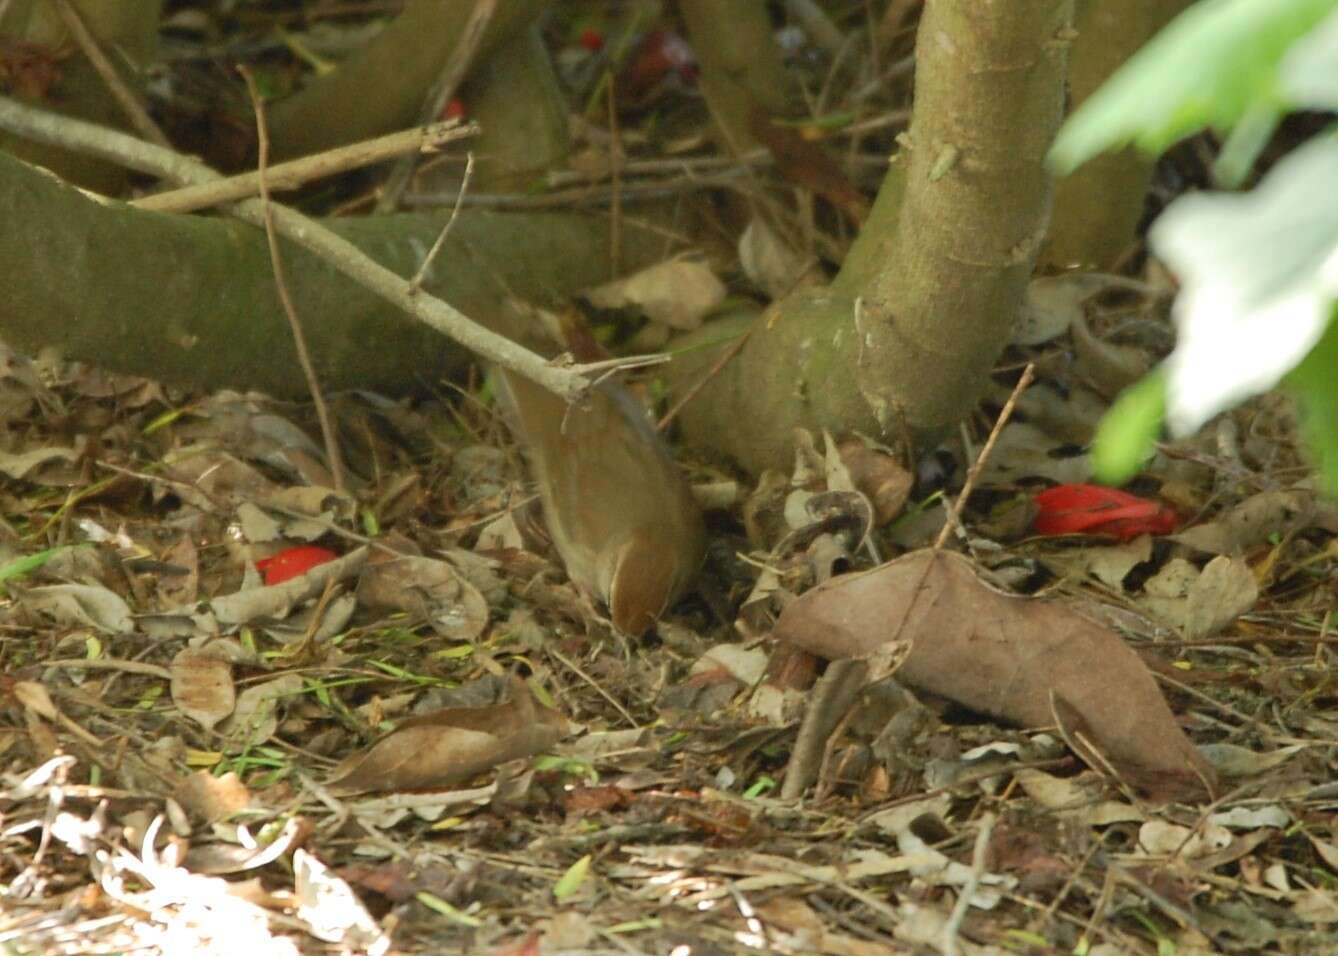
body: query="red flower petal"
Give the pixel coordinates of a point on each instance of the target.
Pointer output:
(291, 562)
(1093, 509)
(591, 40)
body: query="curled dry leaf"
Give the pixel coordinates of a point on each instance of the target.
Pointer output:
(331, 910)
(1252, 522)
(1011, 657)
(879, 476)
(451, 745)
(429, 588)
(1107, 367)
(255, 718)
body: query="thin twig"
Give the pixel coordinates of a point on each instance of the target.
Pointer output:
(328, 435)
(598, 688)
(125, 98)
(832, 696)
(955, 514)
(111, 664)
(299, 172)
(615, 181)
(953, 926)
(448, 81)
(710, 373)
(416, 282)
(582, 195)
(110, 144)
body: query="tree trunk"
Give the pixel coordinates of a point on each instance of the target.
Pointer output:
(902, 342)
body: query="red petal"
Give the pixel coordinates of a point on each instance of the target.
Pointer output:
(1093, 509)
(455, 109)
(291, 562)
(591, 39)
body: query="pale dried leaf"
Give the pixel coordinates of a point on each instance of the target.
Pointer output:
(678, 293)
(202, 687)
(82, 605)
(209, 798)
(430, 589)
(254, 718)
(331, 910)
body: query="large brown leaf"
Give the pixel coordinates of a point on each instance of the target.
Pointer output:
(1027, 661)
(447, 746)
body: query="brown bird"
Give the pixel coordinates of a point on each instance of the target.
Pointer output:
(619, 511)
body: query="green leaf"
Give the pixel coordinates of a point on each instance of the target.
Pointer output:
(29, 563)
(437, 905)
(1315, 384)
(1258, 279)
(1212, 65)
(571, 881)
(1309, 73)
(1125, 438)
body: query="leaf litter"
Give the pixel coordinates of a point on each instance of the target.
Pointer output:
(435, 724)
(434, 743)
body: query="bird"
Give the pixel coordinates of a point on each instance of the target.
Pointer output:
(620, 513)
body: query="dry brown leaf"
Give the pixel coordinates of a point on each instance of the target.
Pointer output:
(255, 718)
(443, 748)
(202, 685)
(678, 293)
(807, 164)
(879, 476)
(81, 605)
(1252, 522)
(429, 588)
(1003, 655)
(209, 798)
(1107, 367)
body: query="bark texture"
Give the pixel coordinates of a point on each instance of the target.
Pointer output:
(989, 98)
(1098, 207)
(381, 88)
(902, 342)
(191, 300)
(127, 32)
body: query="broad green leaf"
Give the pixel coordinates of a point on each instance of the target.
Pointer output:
(1258, 274)
(1212, 65)
(1315, 384)
(1309, 73)
(1125, 438)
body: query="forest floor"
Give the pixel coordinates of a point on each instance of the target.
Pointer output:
(243, 712)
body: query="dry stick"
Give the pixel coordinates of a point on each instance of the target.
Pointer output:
(457, 64)
(955, 513)
(285, 297)
(51, 128)
(711, 373)
(615, 182)
(583, 195)
(954, 924)
(416, 282)
(125, 98)
(832, 696)
(299, 172)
